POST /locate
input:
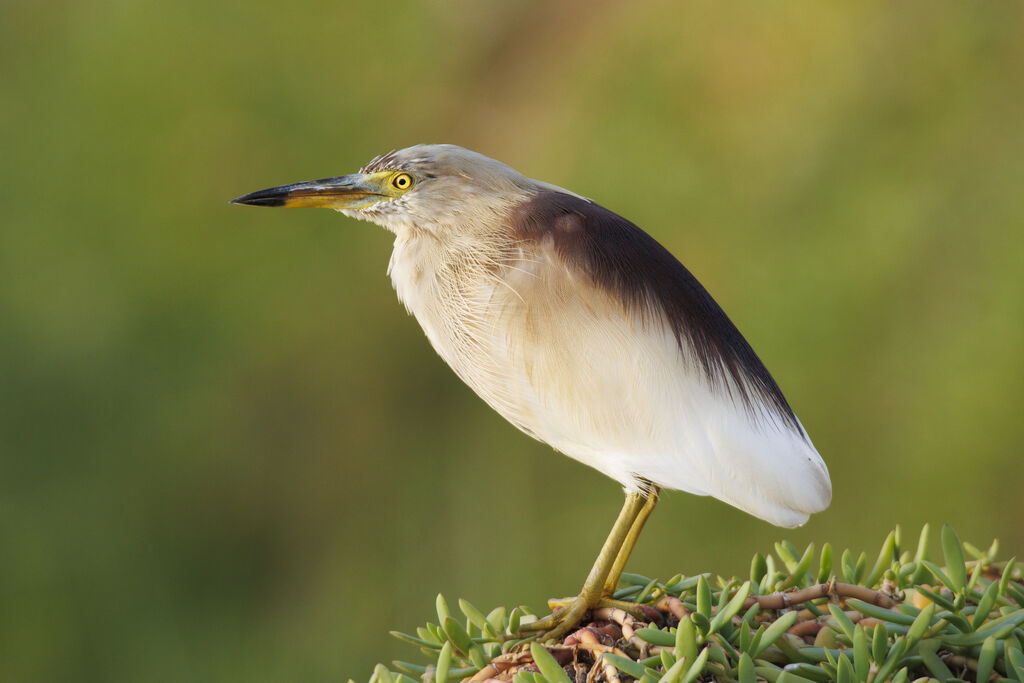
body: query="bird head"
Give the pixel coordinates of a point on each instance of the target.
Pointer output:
(437, 188)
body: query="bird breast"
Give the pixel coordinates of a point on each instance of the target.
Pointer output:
(521, 333)
(570, 364)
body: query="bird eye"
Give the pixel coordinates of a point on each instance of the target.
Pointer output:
(402, 181)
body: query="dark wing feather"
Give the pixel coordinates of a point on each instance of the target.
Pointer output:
(634, 268)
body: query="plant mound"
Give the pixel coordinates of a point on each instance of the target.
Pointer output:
(796, 619)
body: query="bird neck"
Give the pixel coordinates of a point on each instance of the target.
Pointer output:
(428, 271)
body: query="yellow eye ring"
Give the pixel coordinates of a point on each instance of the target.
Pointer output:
(402, 181)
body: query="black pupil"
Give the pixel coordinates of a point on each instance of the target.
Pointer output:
(402, 180)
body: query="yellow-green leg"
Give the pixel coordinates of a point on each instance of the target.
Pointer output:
(608, 566)
(612, 582)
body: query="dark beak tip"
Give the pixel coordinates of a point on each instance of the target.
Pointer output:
(260, 198)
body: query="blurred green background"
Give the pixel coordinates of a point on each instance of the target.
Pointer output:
(226, 452)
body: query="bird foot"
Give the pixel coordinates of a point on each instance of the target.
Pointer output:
(566, 613)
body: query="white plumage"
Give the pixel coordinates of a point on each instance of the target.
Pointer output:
(568, 364)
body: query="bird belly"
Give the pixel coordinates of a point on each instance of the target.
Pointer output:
(571, 367)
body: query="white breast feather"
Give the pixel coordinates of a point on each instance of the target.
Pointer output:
(568, 365)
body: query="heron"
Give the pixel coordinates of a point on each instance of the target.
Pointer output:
(585, 333)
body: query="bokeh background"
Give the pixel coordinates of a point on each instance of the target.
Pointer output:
(226, 452)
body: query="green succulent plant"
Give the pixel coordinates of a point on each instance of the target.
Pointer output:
(800, 617)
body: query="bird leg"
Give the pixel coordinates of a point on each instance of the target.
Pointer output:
(607, 569)
(612, 582)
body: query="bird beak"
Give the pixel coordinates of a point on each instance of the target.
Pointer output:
(356, 191)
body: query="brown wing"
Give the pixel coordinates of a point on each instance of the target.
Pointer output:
(632, 267)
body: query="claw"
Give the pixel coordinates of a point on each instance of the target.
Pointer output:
(557, 624)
